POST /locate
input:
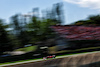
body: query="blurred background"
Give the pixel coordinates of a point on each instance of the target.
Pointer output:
(26, 27)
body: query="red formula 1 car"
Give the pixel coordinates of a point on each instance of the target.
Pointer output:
(53, 56)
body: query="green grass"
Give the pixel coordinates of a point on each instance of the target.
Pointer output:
(19, 61)
(30, 48)
(78, 49)
(54, 49)
(74, 53)
(27, 49)
(41, 58)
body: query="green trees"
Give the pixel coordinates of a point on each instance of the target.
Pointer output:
(39, 29)
(92, 20)
(5, 44)
(19, 30)
(95, 19)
